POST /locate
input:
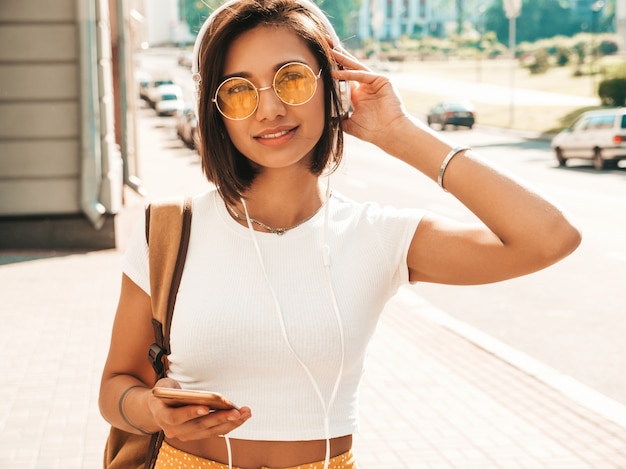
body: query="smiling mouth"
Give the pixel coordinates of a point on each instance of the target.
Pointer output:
(276, 135)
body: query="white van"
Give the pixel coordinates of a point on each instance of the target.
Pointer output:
(596, 135)
(151, 92)
(169, 100)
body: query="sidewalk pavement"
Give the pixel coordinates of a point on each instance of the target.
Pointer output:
(436, 394)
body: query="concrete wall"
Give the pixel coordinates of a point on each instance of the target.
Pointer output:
(39, 108)
(52, 179)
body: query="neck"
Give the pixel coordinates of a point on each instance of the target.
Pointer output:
(283, 203)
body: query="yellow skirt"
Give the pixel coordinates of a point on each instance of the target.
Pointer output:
(172, 458)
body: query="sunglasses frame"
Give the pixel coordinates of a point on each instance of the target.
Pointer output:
(265, 88)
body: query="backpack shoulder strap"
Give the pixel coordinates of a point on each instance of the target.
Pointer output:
(168, 226)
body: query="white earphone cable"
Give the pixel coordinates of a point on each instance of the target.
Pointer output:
(326, 261)
(230, 452)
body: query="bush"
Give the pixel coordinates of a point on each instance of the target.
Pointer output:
(608, 47)
(562, 56)
(612, 91)
(541, 62)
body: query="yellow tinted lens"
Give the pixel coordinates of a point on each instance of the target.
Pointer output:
(236, 98)
(295, 84)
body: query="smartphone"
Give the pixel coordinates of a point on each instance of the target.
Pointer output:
(179, 397)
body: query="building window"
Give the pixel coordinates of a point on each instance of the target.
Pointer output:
(405, 8)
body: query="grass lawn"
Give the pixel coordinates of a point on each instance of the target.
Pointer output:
(520, 115)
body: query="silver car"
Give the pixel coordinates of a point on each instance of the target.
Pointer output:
(596, 135)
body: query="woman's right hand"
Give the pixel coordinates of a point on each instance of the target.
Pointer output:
(194, 422)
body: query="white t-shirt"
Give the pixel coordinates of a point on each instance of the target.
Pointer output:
(226, 330)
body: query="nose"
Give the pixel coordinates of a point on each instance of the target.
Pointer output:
(270, 106)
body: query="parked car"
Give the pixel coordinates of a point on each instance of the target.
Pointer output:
(143, 82)
(596, 135)
(186, 124)
(456, 113)
(168, 100)
(152, 93)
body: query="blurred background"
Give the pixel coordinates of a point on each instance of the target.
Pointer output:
(97, 116)
(70, 71)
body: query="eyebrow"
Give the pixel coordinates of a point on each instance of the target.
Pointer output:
(278, 66)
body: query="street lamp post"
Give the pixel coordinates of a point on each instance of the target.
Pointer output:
(596, 7)
(512, 9)
(481, 33)
(376, 23)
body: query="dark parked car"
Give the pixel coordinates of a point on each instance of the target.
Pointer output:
(456, 113)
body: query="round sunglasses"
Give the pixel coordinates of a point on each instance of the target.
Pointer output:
(294, 83)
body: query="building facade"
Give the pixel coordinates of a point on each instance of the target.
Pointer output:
(391, 19)
(61, 162)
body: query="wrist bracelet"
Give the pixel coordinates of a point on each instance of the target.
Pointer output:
(455, 151)
(123, 413)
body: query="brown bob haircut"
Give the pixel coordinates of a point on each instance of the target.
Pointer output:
(222, 163)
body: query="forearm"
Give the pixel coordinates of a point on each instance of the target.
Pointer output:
(514, 212)
(124, 404)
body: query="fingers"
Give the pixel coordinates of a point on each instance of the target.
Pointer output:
(193, 422)
(352, 69)
(363, 77)
(167, 383)
(347, 60)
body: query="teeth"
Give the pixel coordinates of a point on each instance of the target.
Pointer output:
(279, 134)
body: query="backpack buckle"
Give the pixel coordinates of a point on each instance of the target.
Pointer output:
(155, 356)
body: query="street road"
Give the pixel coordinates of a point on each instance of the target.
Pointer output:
(570, 316)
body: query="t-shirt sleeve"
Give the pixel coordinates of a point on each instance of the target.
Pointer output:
(397, 228)
(135, 263)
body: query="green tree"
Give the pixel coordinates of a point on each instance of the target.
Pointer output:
(194, 12)
(539, 19)
(460, 15)
(342, 15)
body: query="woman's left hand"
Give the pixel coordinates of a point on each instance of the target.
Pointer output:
(376, 105)
(194, 422)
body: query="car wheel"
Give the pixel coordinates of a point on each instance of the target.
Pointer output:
(598, 162)
(559, 157)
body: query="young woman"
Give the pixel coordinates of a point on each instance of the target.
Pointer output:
(284, 279)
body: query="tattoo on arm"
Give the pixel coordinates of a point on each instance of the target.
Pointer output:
(123, 413)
